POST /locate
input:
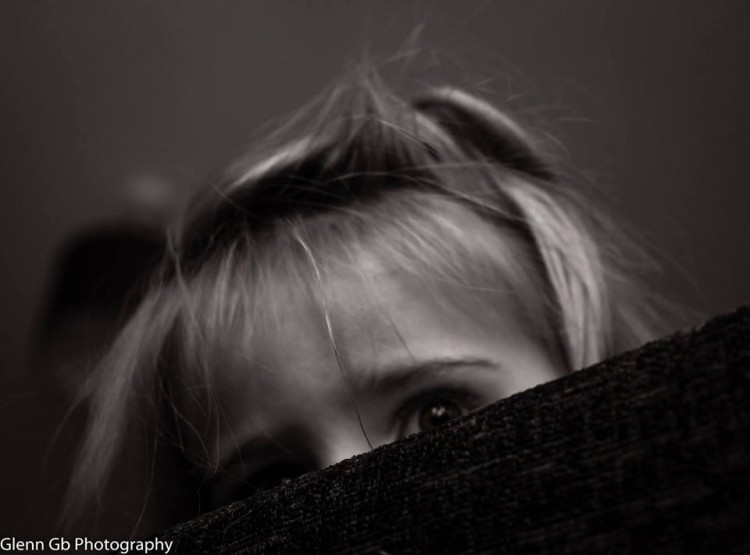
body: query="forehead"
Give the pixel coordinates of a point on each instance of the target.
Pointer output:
(287, 372)
(355, 279)
(360, 314)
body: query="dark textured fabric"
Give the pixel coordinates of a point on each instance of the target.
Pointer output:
(647, 452)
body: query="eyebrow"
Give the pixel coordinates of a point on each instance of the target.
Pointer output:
(395, 376)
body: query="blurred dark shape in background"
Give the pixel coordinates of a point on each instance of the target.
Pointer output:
(101, 276)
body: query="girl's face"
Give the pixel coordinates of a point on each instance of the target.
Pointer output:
(411, 359)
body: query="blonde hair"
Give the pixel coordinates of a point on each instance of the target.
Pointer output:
(363, 170)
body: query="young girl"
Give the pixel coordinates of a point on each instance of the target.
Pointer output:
(375, 269)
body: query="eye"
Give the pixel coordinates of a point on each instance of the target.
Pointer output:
(438, 412)
(427, 412)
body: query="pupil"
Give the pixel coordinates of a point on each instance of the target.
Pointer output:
(438, 413)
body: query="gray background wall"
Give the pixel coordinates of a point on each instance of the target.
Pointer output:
(651, 99)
